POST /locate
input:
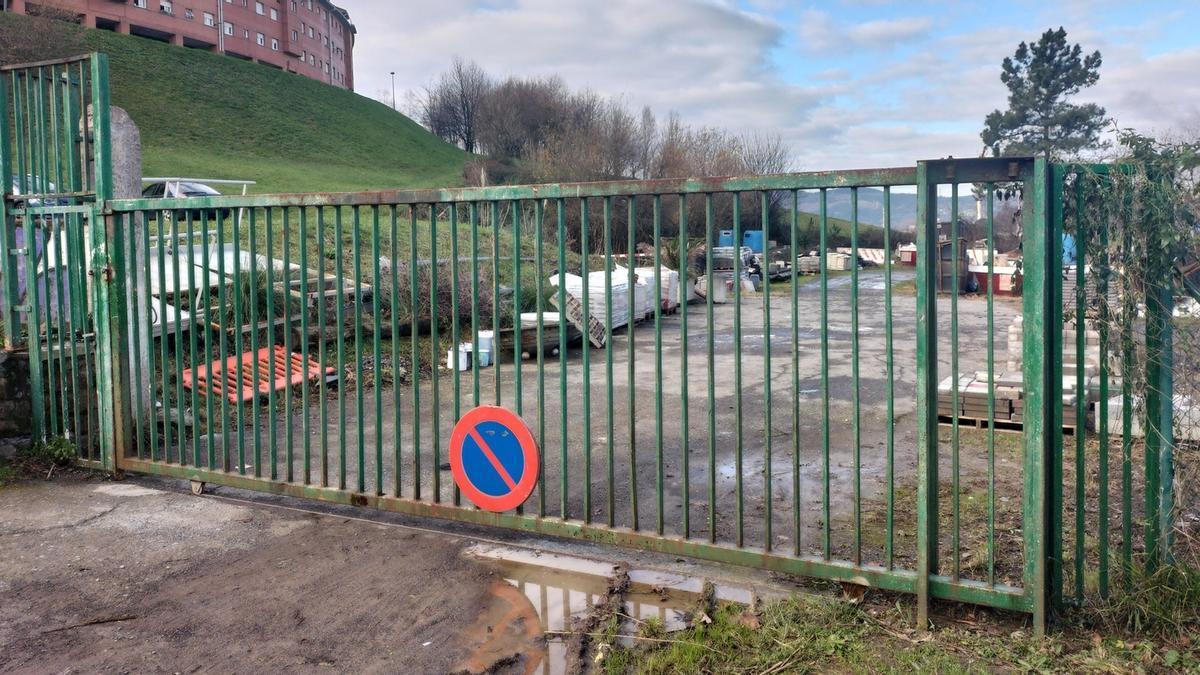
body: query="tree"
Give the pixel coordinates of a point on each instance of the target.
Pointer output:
(1040, 120)
(450, 107)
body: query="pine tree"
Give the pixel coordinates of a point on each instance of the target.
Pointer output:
(1040, 120)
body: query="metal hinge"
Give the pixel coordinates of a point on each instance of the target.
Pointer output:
(19, 251)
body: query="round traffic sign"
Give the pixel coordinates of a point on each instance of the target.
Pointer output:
(493, 458)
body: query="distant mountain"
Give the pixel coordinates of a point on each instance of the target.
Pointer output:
(870, 206)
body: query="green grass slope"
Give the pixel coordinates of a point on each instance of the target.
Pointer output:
(213, 116)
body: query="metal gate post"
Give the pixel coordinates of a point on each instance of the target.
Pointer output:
(927, 373)
(106, 302)
(1159, 459)
(1041, 342)
(8, 260)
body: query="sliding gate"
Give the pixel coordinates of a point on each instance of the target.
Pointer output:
(869, 424)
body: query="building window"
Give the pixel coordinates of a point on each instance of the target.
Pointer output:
(310, 32)
(261, 39)
(274, 14)
(295, 36)
(188, 14)
(209, 19)
(259, 8)
(246, 34)
(228, 28)
(312, 60)
(139, 3)
(310, 5)
(274, 45)
(293, 6)
(165, 7)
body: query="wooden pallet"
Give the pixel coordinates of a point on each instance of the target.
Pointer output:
(1000, 425)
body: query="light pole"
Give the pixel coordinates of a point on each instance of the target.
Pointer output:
(393, 90)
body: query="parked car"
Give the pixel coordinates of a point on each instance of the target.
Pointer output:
(34, 188)
(173, 189)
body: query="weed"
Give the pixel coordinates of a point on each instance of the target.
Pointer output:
(57, 451)
(1164, 603)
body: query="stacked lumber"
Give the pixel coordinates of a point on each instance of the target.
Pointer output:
(1009, 392)
(809, 264)
(837, 262)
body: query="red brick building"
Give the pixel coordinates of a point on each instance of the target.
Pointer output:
(311, 37)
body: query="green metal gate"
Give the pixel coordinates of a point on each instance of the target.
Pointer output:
(796, 427)
(55, 165)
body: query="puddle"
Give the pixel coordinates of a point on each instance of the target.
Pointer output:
(524, 628)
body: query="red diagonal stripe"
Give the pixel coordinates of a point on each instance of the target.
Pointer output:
(487, 452)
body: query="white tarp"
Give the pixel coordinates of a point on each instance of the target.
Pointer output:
(597, 307)
(670, 285)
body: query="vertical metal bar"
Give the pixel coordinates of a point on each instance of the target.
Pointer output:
(239, 289)
(991, 370)
(1159, 459)
(356, 244)
(474, 302)
(630, 248)
(826, 548)
(608, 362)
(253, 324)
(927, 389)
(711, 368)
(340, 316)
(854, 376)
(289, 394)
(435, 431)
(377, 347)
(1102, 286)
(794, 311)
(397, 430)
(149, 315)
(305, 338)
(196, 327)
(25, 148)
(768, 502)
(494, 220)
(890, 365)
(684, 426)
(163, 339)
(209, 411)
(518, 361)
(562, 354)
(1127, 356)
(658, 369)
(585, 251)
(1080, 381)
(737, 364)
(8, 261)
(955, 388)
(180, 308)
(106, 358)
(1054, 363)
(539, 264)
(1039, 343)
(455, 331)
(414, 305)
(323, 293)
(272, 447)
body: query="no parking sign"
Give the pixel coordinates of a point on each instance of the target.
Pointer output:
(494, 458)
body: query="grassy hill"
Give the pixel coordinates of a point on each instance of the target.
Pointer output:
(213, 116)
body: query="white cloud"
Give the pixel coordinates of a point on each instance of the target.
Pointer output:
(715, 62)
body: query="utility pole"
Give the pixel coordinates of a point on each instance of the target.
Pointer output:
(393, 90)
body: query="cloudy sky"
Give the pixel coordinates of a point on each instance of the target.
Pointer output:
(851, 83)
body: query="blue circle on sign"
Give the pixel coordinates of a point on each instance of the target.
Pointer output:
(494, 458)
(504, 445)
